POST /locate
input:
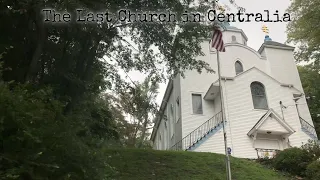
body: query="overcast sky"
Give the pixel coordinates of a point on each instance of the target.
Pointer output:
(277, 31)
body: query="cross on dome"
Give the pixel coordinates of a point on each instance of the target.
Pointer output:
(265, 29)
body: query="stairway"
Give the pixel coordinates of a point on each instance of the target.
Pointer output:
(200, 134)
(308, 129)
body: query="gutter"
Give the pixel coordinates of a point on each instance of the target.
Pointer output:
(275, 47)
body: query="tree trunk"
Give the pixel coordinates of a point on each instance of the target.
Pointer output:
(144, 129)
(33, 66)
(83, 70)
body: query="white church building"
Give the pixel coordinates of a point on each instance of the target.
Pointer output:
(265, 105)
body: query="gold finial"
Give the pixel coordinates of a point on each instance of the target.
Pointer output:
(265, 29)
(221, 8)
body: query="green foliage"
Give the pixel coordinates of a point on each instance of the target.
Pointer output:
(310, 79)
(313, 148)
(139, 102)
(266, 161)
(292, 160)
(150, 164)
(1, 69)
(302, 161)
(59, 132)
(304, 29)
(39, 142)
(67, 56)
(313, 170)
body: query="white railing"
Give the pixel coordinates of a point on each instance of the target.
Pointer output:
(197, 134)
(266, 153)
(308, 127)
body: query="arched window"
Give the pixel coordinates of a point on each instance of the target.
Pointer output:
(239, 67)
(259, 97)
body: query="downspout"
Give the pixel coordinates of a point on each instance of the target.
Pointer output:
(297, 109)
(281, 107)
(296, 103)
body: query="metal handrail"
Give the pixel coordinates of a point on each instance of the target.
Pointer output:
(266, 150)
(198, 133)
(307, 126)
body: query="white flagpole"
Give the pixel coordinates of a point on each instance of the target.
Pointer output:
(228, 169)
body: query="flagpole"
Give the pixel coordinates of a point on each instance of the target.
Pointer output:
(228, 169)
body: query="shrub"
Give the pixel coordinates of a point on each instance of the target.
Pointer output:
(268, 162)
(293, 160)
(39, 142)
(313, 170)
(313, 148)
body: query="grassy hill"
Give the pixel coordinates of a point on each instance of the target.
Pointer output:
(149, 164)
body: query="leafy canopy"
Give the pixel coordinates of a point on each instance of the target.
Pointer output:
(54, 119)
(310, 79)
(305, 29)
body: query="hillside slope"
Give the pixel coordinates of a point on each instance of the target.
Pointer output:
(149, 164)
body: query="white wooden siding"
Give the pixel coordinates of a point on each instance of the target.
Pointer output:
(284, 69)
(172, 133)
(243, 116)
(267, 144)
(199, 84)
(273, 125)
(240, 113)
(213, 144)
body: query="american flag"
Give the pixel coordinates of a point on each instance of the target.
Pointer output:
(216, 41)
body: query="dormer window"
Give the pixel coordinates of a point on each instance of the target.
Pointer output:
(233, 39)
(238, 67)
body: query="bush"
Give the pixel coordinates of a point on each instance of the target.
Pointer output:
(313, 170)
(268, 162)
(293, 160)
(313, 148)
(39, 142)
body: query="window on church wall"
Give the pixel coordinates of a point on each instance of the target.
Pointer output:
(177, 109)
(197, 104)
(238, 67)
(171, 120)
(171, 112)
(165, 117)
(233, 39)
(259, 97)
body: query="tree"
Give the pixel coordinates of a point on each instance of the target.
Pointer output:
(310, 79)
(305, 29)
(139, 102)
(39, 142)
(54, 120)
(68, 56)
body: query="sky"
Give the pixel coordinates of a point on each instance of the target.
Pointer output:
(277, 30)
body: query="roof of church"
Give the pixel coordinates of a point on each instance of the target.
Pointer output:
(232, 27)
(162, 108)
(274, 45)
(282, 84)
(268, 41)
(276, 116)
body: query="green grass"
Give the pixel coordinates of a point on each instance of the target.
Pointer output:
(150, 164)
